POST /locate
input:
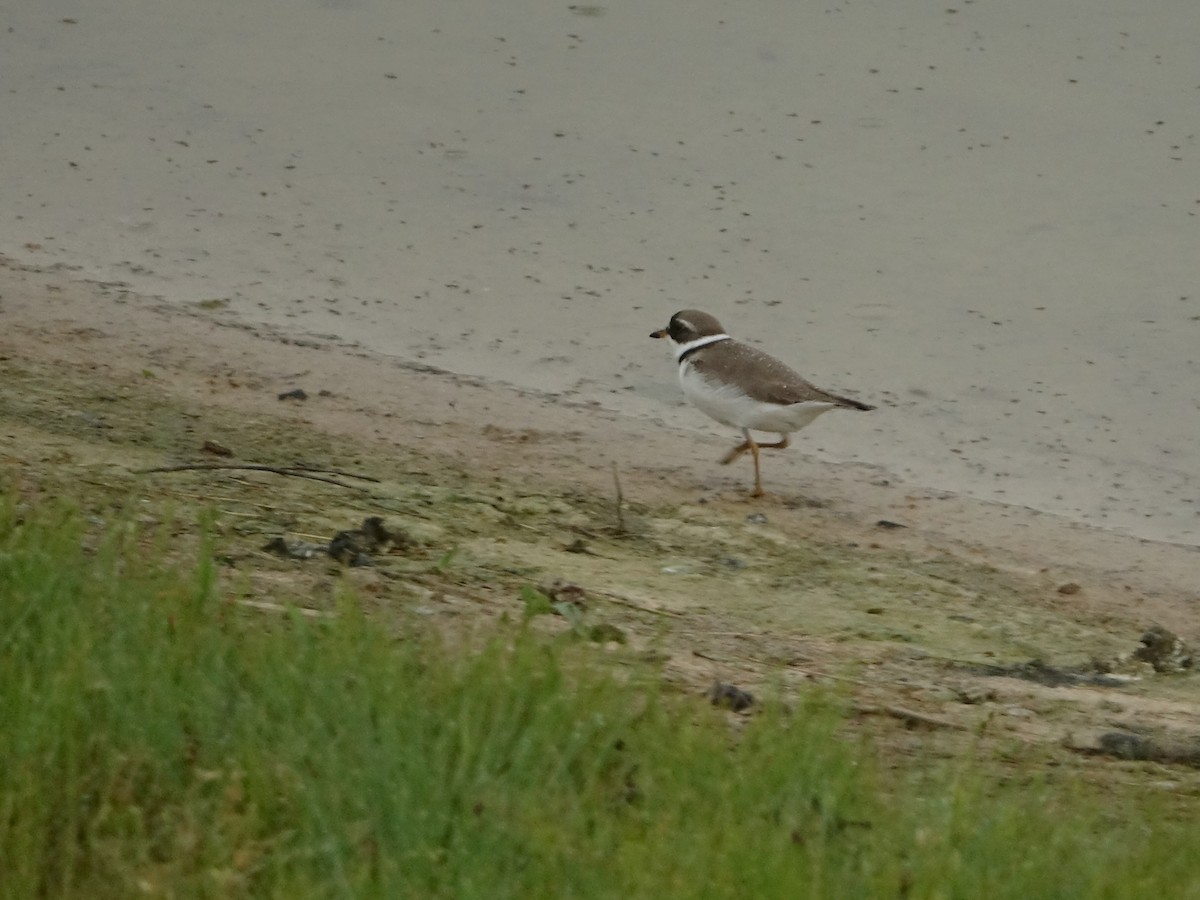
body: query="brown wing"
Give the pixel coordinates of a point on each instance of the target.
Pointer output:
(767, 378)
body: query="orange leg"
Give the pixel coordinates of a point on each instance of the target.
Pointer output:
(750, 444)
(741, 448)
(735, 453)
(758, 491)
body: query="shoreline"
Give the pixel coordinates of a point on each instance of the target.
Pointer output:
(551, 435)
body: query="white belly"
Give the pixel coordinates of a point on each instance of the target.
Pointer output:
(729, 406)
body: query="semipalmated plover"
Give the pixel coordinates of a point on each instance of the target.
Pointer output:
(740, 386)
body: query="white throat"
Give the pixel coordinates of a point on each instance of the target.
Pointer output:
(681, 349)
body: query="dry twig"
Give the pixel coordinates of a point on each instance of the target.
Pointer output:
(910, 717)
(267, 606)
(620, 499)
(294, 471)
(624, 600)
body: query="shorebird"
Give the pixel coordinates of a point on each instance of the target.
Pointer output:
(742, 387)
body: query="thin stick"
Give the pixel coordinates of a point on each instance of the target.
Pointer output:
(633, 604)
(267, 606)
(277, 470)
(238, 500)
(910, 716)
(358, 475)
(620, 498)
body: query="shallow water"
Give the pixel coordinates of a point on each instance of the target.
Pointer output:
(984, 220)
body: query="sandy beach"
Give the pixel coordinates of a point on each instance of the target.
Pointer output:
(934, 610)
(982, 218)
(106, 332)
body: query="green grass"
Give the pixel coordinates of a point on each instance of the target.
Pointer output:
(157, 741)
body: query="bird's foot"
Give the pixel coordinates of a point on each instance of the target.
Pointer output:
(734, 453)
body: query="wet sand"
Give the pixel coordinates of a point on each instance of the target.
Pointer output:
(983, 219)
